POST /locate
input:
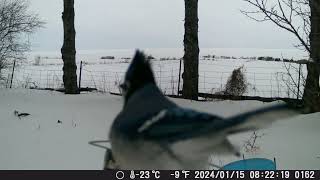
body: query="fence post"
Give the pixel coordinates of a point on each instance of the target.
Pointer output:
(298, 93)
(40, 78)
(160, 85)
(204, 82)
(278, 86)
(221, 85)
(254, 82)
(271, 86)
(7, 83)
(179, 77)
(80, 76)
(172, 81)
(14, 64)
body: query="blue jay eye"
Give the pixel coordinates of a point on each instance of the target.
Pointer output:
(124, 86)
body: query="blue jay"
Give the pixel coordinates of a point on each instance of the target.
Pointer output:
(152, 132)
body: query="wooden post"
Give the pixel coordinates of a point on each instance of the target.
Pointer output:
(179, 77)
(14, 64)
(80, 74)
(298, 93)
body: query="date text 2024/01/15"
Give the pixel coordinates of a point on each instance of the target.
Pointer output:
(218, 174)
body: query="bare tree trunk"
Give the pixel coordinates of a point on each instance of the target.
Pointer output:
(311, 97)
(68, 49)
(191, 51)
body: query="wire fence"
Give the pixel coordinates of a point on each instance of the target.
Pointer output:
(286, 80)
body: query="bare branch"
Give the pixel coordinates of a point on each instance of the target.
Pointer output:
(283, 14)
(16, 22)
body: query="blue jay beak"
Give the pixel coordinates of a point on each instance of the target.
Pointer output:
(124, 88)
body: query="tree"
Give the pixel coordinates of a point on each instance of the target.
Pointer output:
(191, 51)
(16, 23)
(68, 49)
(301, 18)
(311, 96)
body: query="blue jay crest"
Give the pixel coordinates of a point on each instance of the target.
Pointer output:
(138, 75)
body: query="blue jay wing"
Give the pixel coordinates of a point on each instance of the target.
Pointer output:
(177, 124)
(261, 118)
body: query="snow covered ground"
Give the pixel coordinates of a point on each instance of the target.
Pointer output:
(38, 141)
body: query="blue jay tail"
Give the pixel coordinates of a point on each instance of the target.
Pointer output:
(138, 75)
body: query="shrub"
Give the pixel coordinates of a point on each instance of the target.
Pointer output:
(150, 57)
(260, 58)
(107, 57)
(237, 84)
(37, 60)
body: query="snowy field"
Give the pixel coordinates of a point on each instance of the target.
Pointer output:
(265, 78)
(40, 142)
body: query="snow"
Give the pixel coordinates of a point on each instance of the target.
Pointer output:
(38, 141)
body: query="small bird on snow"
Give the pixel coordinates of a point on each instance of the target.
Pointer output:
(19, 115)
(152, 132)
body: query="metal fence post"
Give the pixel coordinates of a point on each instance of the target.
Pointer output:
(298, 93)
(14, 64)
(179, 77)
(254, 82)
(204, 82)
(80, 76)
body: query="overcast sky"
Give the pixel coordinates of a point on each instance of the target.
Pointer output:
(113, 24)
